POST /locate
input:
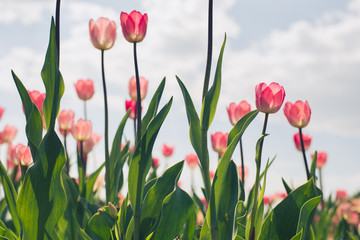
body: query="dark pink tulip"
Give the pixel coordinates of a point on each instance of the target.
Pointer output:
(192, 160)
(298, 114)
(143, 88)
(167, 150)
(219, 142)
(236, 112)
(269, 98)
(134, 26)
(23, 154)
(1, 112)
(307, 141)
(9, 133)
(321, 158)
(155, 162)
(85, 88)
(66, 119)
(102, 33)
(82, 130)
(131, 104)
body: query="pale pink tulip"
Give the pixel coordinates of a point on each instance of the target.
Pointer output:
(236, 112)
(307, 141)
(134, 26)
(143, 88)
(23, 154)
(82, 130)
(85, 89)
(298, 114)
(66, 119)
(89, 144)
(192, 160)
(9, 133)
(102, 33)
(37, 98)
(219, 142)
(269, 98)
(167, 150)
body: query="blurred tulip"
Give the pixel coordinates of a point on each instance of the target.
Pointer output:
(341, 194)
(24, 155)
(269, 98)
(82, 130)
(11, 156)
(85, 89)
(155, 162)
(9, 133)
(66, 119)
(102, 33)
(246, 172)
(131, 104)
(192, 160)
(1, 112)
(236, 112)
(134, 26)
(143, 88)
(298, 114)
(167, 150)
(1, 138)
(37, 98)
(219, 142)
(321, 158)
(307, 141)
(212, 174)
(89, 144)
(267, 200)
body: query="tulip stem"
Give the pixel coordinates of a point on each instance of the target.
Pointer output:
(57, 30)
(304, 155)
(242, 162)
(135, 128)
(209, 50)
(107, 181)
(67, 166)
(257, 179)
(85, 111)
(138, 96)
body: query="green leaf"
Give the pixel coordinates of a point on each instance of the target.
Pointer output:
(124, 216)
(205, 231)
(10, 197)
(53, 82)
(307, 214)
(287, 188)
(212, 96)
(298, 236)
(84, 235)
(100, 224)
(313, 167)
(193, 120)
(5, 233)
(177, 208)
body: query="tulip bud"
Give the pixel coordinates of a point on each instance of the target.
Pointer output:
(306, 139)
(192, 160)
(236, 112)
(102, 33)
(85, 89)
(143, 88)
(9, 133)
(66, 119)
(134, 26)
(82, 130)
(112, 210)
(219, 142)
(269, 98)
(167, 150)
(298, 114)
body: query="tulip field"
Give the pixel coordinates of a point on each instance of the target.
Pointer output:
(129, 196)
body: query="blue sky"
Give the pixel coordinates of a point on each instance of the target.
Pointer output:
(312, 48)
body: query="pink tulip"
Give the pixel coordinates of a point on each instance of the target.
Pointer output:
(66, 119)
(134, 26)
(307, 141)
(219, 142)
(212, 175)
(82, 130)
(85, 88)
(269, 98)
(341, 194)
(167, 150)
(155, 162)
(37, 98)
(1, 112)
(132, 106)
(143, 88)
(246, 172)
(267, 200)
(1, 138)
(102, 33)
(89, 144)
(192, 160)
(321, 158)
(236, 112)
(9, 133)
(298, 114)
(23, 154)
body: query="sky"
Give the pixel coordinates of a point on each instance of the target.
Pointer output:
(312, 48)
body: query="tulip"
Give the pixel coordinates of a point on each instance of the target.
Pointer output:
(219, 142)
(82, 130)
(132, 106)
(134, 26)
(167, 150)
(307, 141)
(9, 133)
(1, 112)
(102, 33)
(24, 155)
(298, 114)
(37, 98)
(321, 158)
(66, 119)
(192, 160)
(341, 194)
(236, 112)
(84, 89)
(246, 172)
(143, 88)
(155, 162)
(267, 200)
(269, 98)
(89, 144)
(1, 138)
(211, 174)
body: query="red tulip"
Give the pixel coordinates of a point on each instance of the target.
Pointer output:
(85, 88)
(89, 144)
(321, 158)
(298, 114)
(219, 142)
(236, 112)
(9, 133)
(143, 88)
(269, 98)
(132, 106)
(23, 154)
(155, 162)
(307, 141)
(1, 111)
(82, 130)
(192, 160)
(66, 119)
(102, 33)
(167, 150)
(134, 26)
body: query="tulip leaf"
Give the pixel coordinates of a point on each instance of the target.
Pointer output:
(306, 214)
(313, 167)
(10, 197)
(298, 236)
(100, 224)
(53, 81)
(84, 235)
(212, 96)
(5, 233)
(286, 186)
(193, 120)
(205, 233)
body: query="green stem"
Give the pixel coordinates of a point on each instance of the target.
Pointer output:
(67, 166)
(57, 30)
(242, 162)
(257, 180)
(106, 139)
(205, 164)
(304, 155)
(209, 50)
(138, 100)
